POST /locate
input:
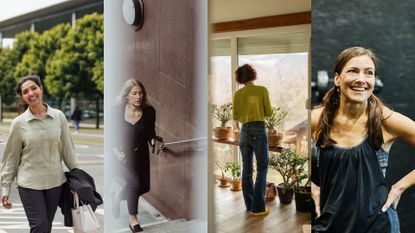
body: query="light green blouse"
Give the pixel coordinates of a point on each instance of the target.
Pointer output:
(35, 150)
(251, 103)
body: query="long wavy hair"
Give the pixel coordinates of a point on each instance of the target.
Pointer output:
(130, 83)
(331, 103)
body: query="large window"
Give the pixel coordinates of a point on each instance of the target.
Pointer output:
(281, 62)
(285, 76)
(221, 93)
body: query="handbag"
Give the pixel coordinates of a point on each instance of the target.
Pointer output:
(83, 218)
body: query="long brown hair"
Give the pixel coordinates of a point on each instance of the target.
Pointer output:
(331, 103)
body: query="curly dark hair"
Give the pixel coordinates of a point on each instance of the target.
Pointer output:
(245, 74)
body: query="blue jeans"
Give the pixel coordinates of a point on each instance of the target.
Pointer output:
(76, 125)
(254, 139)
(393, 217)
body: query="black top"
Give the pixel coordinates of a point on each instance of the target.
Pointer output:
(352, 190)
(137, 137)
(77, 115)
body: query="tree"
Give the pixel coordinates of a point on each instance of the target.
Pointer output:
(76, 69)
(42, 48)
(7, 81)
(9, 58)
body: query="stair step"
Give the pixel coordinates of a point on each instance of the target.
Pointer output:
(178, 226)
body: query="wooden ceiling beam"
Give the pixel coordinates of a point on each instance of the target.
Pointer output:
(264, 22)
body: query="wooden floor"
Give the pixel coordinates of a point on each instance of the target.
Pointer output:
(232, 217)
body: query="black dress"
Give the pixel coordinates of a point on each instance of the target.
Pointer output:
(352, 190)
(136, 147)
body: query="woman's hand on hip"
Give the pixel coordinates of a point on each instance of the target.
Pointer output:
(393, 197)
(6, 203)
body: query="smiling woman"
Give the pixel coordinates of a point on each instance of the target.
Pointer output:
(354, 132)
(357, 79)
(38, 142)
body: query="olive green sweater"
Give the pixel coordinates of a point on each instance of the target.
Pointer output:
(251, 103)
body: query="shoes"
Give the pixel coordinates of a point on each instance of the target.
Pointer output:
(261, 213)
(116, 204)
(135, 228)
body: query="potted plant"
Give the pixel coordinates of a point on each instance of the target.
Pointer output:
(303, 201)
(235, 168)
(284, 163)
(223, 180)
(274, 136)
(223, 113)
(270, 192)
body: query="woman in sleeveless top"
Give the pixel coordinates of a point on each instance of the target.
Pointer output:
(354, 132)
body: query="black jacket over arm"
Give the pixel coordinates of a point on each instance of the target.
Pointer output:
(82, 183)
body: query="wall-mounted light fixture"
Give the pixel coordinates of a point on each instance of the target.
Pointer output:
(133, 11)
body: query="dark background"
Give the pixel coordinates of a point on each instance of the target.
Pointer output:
(388, 28)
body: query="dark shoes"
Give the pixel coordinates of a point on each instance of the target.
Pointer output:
(135, 228)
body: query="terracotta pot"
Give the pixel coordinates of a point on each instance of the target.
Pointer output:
(270, 192)
(236, 185)
(275, 139)
(223, 183)
(285, 197)
(222, 134)
(236, 135)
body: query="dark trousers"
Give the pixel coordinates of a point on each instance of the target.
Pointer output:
(131, 191)
(40, 207)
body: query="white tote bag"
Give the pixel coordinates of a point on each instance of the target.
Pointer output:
(83, 218)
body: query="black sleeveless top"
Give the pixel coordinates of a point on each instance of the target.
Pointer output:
(352, 190)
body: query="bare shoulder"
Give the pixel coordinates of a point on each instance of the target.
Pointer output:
(397, 124)
(315, 117)
(387, 112)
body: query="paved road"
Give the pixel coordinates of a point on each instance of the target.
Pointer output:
(90, 159)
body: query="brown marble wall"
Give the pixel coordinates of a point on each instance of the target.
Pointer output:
(163, 56)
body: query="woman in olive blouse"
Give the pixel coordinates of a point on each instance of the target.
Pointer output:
(38, 141)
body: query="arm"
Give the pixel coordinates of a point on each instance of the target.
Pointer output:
(267, 104)
(151, 133)
(399, 126)
(10, 163)
(315, 194)
(235, 115)
(67, 147)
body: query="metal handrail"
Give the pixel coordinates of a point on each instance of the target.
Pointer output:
(194, 140)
